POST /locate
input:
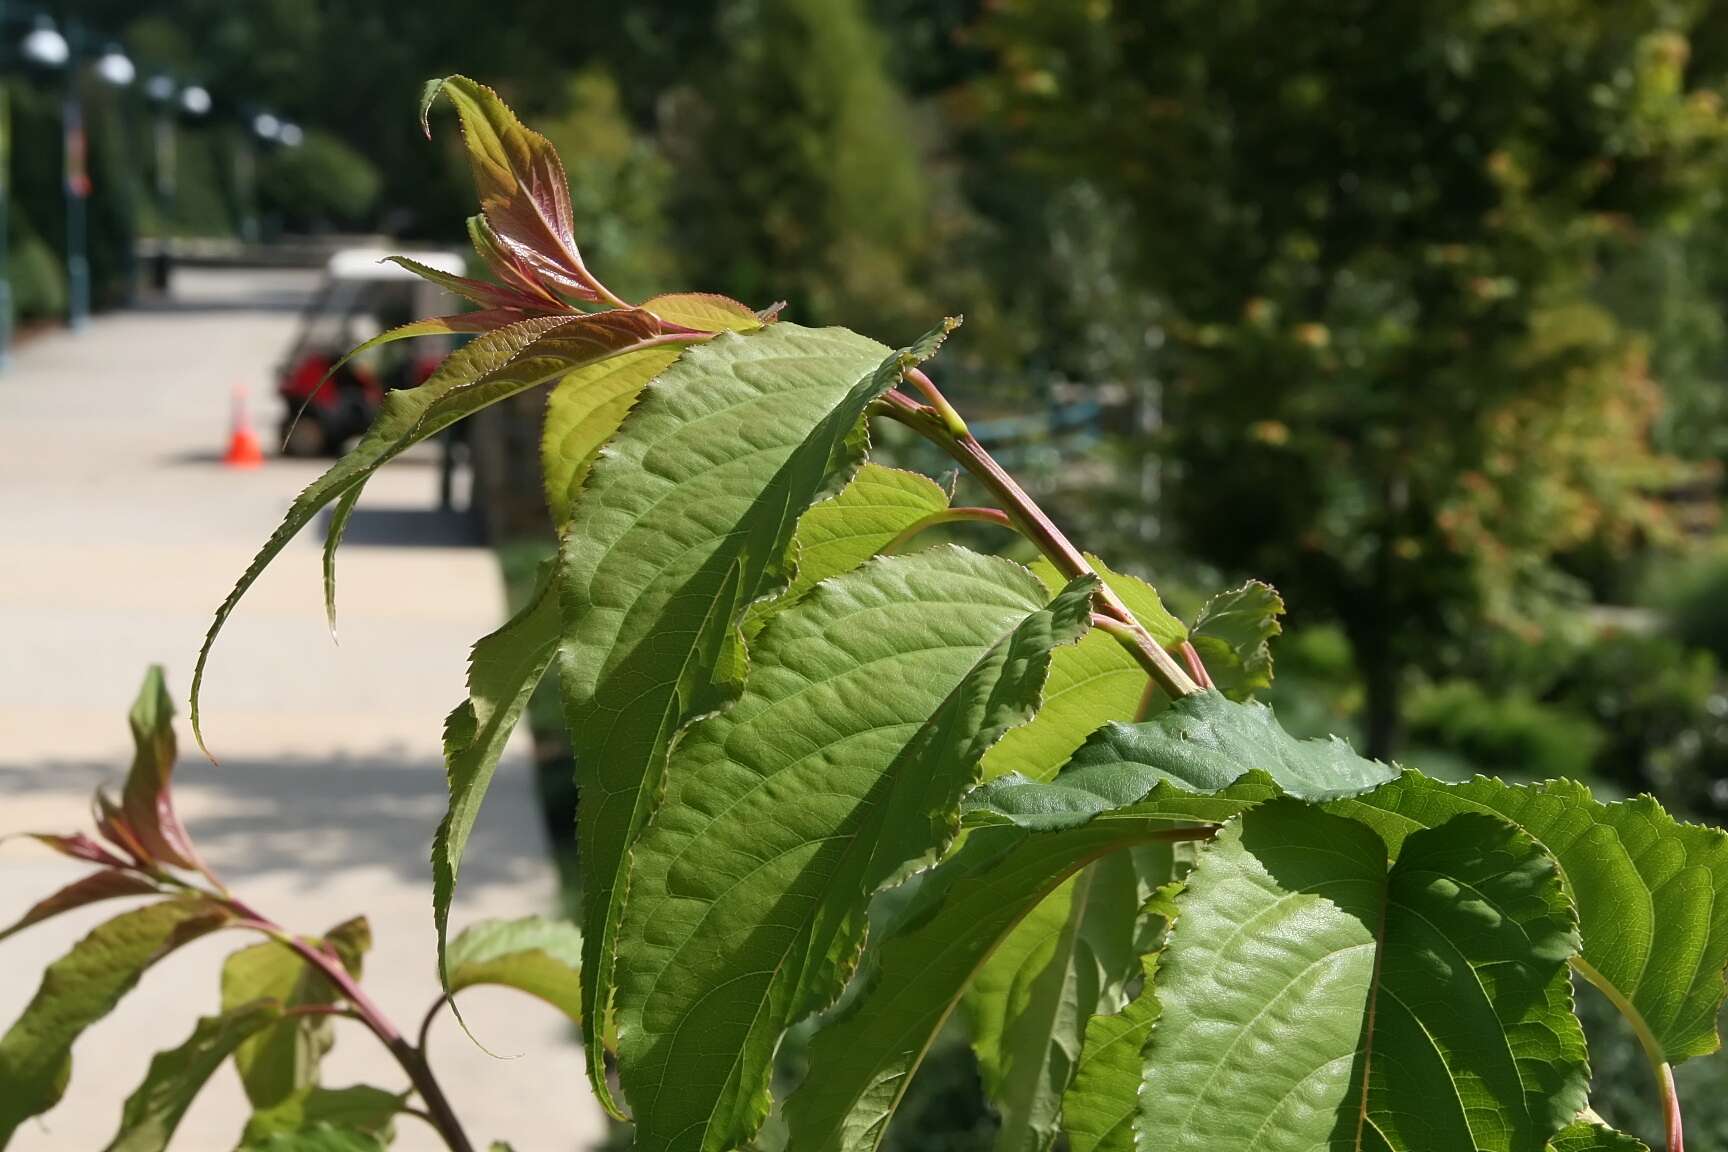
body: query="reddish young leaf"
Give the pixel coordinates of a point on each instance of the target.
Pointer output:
(147, 801)
(524, 193)
(114, 827)
(105, 885)
(488, 296)
(78, 846)
(505, 266)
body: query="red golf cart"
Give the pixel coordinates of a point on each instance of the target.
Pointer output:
(359, 297)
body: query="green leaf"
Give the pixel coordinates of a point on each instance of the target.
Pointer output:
(1313, 998)
(505, 668)
(1091, 684)
(534, 955)
(868, 707)
(687, 519)
(1583, 1136)
(1205, 741)
(1030, 1003)
(338, 527)
(283, 1059)
(147, 799)
(583, 412)
(358, 1107)
(1103, 1099)
(1651, 892)
(107, 884)
(175, 1076)
(79, 989)
(524, 193)
(487, 320)
(1232, 634)
(703, 311)
(930, 935)
(493, 366)
(317, 1138)
(1200, 743)
(351, 940)
(838, 534)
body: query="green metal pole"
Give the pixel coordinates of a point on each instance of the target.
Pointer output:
(77, 190)
(5, 222)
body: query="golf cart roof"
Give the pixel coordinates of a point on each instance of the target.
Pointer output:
(368, 264)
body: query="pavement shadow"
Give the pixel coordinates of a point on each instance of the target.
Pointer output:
(410, 528)
(285, 301)
(316, 818)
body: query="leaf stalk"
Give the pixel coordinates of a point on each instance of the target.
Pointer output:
(947, 516)
(1674, 1132)
(1033, 522)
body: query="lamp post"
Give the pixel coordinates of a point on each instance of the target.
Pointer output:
(43, 46)
(75, 173)
(161, 92)
(46, 47)
(269, 129)
(169, 100)
(116, 70)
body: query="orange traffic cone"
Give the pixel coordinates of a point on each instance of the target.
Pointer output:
(243, 448)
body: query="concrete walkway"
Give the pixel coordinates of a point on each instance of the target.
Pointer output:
(119, 534)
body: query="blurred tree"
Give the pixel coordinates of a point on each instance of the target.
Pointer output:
(323, 183)
(619, 183)
(1379, 233)
(799, 168)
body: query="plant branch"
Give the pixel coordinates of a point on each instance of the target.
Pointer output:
(411, 1058)
(1032, 521)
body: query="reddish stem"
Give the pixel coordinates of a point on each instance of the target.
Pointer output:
(1671, 1109)
(412, 1059)
(1196, 669)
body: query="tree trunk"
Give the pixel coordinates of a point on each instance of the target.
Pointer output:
(1383, 687)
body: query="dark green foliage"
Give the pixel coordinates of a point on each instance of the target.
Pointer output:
(1394, 389)
(322, 184)
(817, 195)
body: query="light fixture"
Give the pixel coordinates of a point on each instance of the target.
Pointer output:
(115, 67)
(267, 126)
(44, 45)
(290, 136)
(159, 88)
(195, 100)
